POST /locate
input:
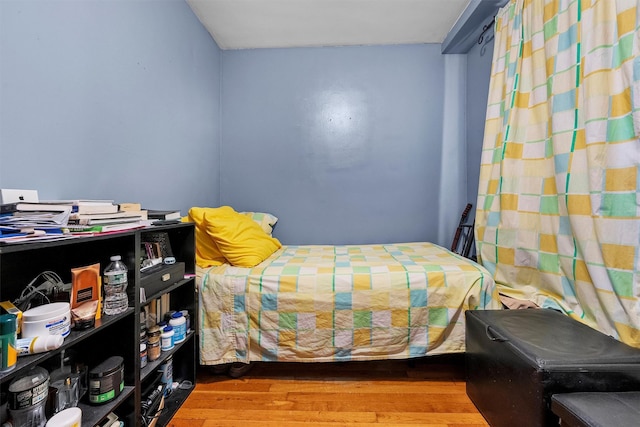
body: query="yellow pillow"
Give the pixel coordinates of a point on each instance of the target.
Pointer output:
(239, 238)
(207, 252)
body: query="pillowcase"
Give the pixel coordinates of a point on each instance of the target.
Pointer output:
(207, 252)
(240, 239)
(266, 220)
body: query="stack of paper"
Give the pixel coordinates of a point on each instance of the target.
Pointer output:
(34, 214)
(23, 220)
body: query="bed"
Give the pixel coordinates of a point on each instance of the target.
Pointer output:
(322, 303)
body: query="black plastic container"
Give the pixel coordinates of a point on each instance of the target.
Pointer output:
(106, 381)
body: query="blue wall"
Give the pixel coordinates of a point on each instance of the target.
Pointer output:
(342, 144)
(109, 99)
(478, 75)
(134, 101)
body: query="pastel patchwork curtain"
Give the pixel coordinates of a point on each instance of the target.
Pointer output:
(558, 206)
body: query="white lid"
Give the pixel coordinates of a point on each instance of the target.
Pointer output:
(69, 417)
(51, 342)
(46, 311)
(116, 258)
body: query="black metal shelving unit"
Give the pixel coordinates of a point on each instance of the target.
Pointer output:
(112, 335)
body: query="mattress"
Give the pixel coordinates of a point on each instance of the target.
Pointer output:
(322, 303)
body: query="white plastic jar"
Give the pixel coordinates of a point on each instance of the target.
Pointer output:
(179, 325)
(47, 319)
(166, 339)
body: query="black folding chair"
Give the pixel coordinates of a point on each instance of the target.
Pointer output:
(463, 239)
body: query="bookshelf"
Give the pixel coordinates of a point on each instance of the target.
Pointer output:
(112, 335)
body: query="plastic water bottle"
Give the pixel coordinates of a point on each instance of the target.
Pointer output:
(115, 287)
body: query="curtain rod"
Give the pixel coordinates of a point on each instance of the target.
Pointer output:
(485, 29)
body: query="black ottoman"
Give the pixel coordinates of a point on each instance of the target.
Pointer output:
(516, 359)
(597, 409)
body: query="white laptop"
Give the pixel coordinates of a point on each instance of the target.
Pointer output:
(14, 196)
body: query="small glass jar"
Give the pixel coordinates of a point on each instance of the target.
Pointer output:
(153, 343)
(153, 334)
(153, 351)
(143, 355)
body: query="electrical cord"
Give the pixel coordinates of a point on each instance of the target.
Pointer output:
(147, 420)
(51, 281)
(151, 406)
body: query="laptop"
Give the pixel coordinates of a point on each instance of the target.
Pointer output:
(14, 196)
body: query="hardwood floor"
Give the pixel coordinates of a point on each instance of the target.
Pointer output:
(427, 392)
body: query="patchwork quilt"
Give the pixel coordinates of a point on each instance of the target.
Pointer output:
(337, 303)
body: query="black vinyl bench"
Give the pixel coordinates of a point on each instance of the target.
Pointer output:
(517, 359)
(595, 409)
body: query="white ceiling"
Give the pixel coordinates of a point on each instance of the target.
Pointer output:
(247, 24)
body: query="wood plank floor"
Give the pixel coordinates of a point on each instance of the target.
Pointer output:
(427, 392)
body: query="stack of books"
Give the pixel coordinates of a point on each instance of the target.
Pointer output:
(164, 215)
(59, 218)
(101, 216)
